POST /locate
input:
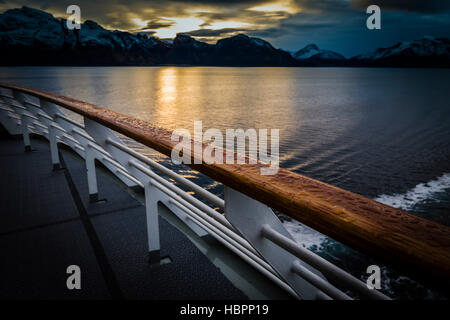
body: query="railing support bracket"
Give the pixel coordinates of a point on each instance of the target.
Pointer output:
(248, 216)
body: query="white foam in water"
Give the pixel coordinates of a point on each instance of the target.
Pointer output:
(308, 237)
(305, 236)
(419, 193)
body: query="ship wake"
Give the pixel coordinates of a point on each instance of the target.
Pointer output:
(419, 194)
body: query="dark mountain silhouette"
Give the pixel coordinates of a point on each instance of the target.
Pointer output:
(425, 52)
(33, 37)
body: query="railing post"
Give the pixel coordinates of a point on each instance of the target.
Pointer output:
(151, 211)
(19, 97)
(54, 147)
(25, 121)
(91, 174)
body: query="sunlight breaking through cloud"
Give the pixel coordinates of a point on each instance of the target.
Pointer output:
(180, 25)
(282, 6)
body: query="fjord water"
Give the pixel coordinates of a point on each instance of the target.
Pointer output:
(382, 133)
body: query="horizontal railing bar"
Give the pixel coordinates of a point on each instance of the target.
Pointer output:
(98, 149)
(43, 115)
(32, 104)
(36, 129)
(177, 199)
(29, 115)
(329, 269)
(231, 239)
(40, 125)
(15, 105)
(183, 194)
(117, 165)
(420, 245)
(226, 230)
(318, 282)
(194, 187)
(67, 119)
(84, 135)
(13, 116)
(58, 127)
(6, 109)
(247, 259)
(68, 137)
(128, 176)
(322, 296)
(79, 147)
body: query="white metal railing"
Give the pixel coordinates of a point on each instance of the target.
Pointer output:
(264, 243)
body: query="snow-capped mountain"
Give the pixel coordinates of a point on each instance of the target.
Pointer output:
(32, 27)
(312, 53)
(307, 52)
(31, 36)
(428, 51)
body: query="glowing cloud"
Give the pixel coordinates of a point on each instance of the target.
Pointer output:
(180, 25)
(139, 22)
(282, 6)
(227, 24)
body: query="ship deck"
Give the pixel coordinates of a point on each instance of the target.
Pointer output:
(47, 224)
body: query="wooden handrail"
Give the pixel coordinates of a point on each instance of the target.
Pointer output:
(414, 243)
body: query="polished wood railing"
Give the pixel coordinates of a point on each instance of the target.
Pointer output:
(396, 236)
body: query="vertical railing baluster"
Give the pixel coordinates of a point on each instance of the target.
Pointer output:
(151, 211)
(53, 140)
(91, 174)
(25, 121)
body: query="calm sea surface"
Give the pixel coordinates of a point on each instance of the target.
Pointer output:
(382, 133)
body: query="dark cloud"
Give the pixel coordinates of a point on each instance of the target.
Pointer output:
(271, 33)
(323, 5)
(118, 13)
(216, 33)
(429, 6)
(148, 33)
(158, 24)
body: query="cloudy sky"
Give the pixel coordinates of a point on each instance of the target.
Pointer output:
(289, 24)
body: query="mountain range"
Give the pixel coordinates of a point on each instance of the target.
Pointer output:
(33, 37)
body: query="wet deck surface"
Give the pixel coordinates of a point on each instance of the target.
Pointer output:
(47, 224)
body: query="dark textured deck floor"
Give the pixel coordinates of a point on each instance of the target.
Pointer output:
(47, 224)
